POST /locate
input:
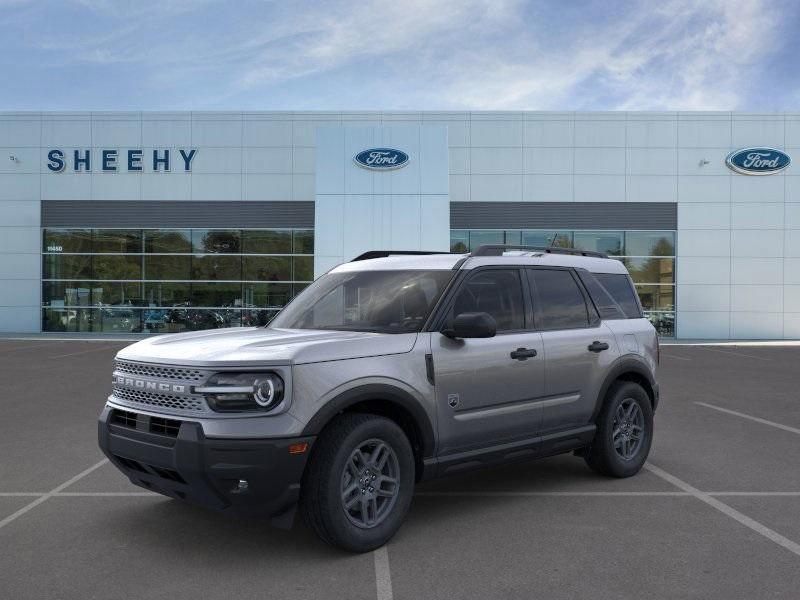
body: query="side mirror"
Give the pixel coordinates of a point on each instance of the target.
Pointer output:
(472, 325)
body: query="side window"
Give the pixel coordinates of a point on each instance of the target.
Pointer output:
(606, 305)
(561, 302)
(621, 290)
(494, 291)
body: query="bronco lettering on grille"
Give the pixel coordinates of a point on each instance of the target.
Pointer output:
(154, 386)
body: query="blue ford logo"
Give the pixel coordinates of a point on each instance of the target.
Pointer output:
(381, 159)
(758, 161)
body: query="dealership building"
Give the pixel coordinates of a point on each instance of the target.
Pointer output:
(118, 222)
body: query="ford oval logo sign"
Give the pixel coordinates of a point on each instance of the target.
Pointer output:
(758, 161)
(381, 159)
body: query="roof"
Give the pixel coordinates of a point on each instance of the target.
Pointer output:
(449, 261)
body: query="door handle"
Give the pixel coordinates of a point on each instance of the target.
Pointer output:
(596, 346)
(523, 353)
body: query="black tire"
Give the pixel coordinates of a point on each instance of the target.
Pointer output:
(602, 456)
(321, 501)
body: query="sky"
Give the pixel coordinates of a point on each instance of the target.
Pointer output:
(400, 55)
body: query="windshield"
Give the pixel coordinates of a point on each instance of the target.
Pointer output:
(378, 301)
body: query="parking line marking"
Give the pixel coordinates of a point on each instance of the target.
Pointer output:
(50, 494)
(759, 494)
(83, 351)
(741, 354)
(20, 494)
(544, 494)
(105, 494)
(751, 418)
(734, 514)
(383, 577)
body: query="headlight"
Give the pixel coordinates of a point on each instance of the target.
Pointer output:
(237, 392)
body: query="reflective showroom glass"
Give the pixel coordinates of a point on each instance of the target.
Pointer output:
(648, 255)
(170, 280)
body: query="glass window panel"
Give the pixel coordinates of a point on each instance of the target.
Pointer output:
(216, 267)
(267, 268)
(303, 268)
(459, 241)
(561, 302)
(563, 239)
(304, 241)
(271, 295)
(67, 319)
(656, 297)
(497, 292)
(298, 287)
(650, 243)
(257, 318)
(651, 270)
(663, 322)
(619, 286)
(481, 238)
(609, 242)
(267, 241)
(194, 319)
(117, 240)
(167, 294)
(67, 240)
(154, 320)
(117, 267)
(216, 294)
(58, 294)
(68, 266)
(513, 238)
(117, 320)
(167, 240)
(167, 267)
(226, 241)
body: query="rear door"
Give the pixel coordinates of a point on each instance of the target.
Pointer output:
(578, 348)
(487, 390)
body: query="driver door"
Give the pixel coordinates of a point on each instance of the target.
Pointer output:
(484, 396)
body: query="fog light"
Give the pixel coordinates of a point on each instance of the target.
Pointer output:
(242, 488)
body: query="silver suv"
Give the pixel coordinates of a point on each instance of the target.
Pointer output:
(388, 370)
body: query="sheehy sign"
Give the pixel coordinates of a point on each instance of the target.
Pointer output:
(111, 161)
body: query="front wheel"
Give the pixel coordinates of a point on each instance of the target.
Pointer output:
(624, 432)
(358, 485)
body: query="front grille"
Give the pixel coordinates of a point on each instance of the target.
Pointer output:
(145, 370)
(169, 427)
(170, 401)
(124, 418)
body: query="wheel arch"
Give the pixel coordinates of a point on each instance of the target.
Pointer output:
(628, 369)
(387, 401)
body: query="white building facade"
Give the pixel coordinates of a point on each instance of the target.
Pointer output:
(160, 222)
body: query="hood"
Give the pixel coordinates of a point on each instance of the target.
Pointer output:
(260, 346)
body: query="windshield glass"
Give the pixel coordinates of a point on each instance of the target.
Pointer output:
(378, 301)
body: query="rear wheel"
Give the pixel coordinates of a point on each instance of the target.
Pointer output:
(624, 432)
(358, 485)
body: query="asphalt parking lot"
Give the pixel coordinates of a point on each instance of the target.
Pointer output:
(716, 514)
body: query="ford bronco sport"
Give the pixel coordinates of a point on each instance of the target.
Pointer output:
(390, 369)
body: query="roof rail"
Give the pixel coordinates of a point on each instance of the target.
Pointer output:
(384, 253)
(499, 249)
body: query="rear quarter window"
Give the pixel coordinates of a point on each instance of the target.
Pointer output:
(621, 290)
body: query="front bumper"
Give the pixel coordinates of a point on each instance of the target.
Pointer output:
(173, 457)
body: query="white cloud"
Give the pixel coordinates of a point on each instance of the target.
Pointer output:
(474, 54)
(684, 56)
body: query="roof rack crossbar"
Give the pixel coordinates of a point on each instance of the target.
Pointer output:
(499, 249)
(384, 253)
